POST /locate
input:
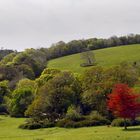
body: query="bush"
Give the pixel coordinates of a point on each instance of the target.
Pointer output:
(82, 123)
(64, 123)
(73, 114)
(30, 124)
(3, 109)
(135, 122)
(94, 115)
(75, 120)
(47, 124)
(120, 122)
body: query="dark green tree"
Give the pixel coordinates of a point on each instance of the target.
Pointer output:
(56, 96)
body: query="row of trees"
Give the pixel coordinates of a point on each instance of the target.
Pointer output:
(76, 46)
(31, 62)
(27, 64)
(29, 90)
(57, 95)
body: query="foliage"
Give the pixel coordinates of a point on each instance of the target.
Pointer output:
(31, 124)
(98, 83)
(124, 73)
(21, 99)
(88, 57)
(27, 71)
(37, 109)
(8, 58)
(94, 115)
(67, 123)
(123, 102)
(121, 122)
(26, 83)
(76, 46)
(4, 91)
(95, 87)
(46, 75)
(73, 113)
(10, 73)
(35, 59)
(3, 53)
(56, 96)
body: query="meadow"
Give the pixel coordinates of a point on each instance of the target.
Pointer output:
(104, 57)
(9, 131)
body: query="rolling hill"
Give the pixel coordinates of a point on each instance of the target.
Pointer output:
(104, 57)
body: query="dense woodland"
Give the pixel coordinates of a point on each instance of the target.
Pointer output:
(50, 97)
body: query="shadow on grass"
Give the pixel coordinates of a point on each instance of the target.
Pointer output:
(132, 129)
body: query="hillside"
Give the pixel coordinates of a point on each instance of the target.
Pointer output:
(104, 57)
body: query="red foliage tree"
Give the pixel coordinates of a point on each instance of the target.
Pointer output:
(123, 102)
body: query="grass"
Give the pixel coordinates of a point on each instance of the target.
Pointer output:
(105, 57)
(9, 131)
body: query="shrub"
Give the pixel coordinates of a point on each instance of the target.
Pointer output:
(73, 114)
(94, 115)
(64, 123)
(3, 109)
(47, 124)
(82, 123)
(31, 124)
(135, 122)
(75, 120)
(120, 122)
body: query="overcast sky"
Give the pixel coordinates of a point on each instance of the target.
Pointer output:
(39, 23)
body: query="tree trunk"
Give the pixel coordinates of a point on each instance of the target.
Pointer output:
(89, 61)
(125, 124)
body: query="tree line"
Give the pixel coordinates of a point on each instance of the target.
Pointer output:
(51, 96)
(31, 62)
(66, 99)
(76, 46)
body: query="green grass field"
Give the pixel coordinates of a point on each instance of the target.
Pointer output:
(104, 57)
(9, 131)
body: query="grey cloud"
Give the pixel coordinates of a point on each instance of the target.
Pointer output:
(35, 23)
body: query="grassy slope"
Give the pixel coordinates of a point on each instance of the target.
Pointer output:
(104, 57)
(9, 131)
